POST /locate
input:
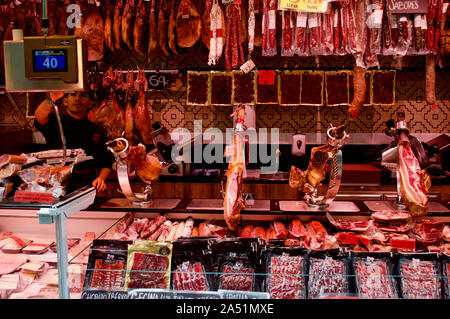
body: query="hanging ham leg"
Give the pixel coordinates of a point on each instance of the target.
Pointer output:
(233, 201)
(140, 31)
(359, 89)
(162, 28)
(142, 120)
(117, 25)
(108, 28)
(92, 31)
(415, 182)
(153, 29)
(147, 167)
(128, 25)
(172, 30)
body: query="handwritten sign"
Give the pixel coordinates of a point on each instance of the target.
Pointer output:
(236, 294)
(407, 6)
(158, 81)
(304, 5)
(39, 197)
(96, 294)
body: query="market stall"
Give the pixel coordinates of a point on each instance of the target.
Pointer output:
(220, 149)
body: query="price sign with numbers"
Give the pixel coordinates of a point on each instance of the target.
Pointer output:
(49, 60)
(158, 81)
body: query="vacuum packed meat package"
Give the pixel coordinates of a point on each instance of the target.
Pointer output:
(446, 275)
(420, 275)
(234, 262)
(107, 265)
(237, 275)
(286, 269)
(374, 275)
(148, 265)
(328, 273)
(191, 264)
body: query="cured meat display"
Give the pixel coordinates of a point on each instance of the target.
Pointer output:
(328, 273)
(420, 276)
(192, 261)
(92, 31)
(374, 275)
(233, 201)
(395, 221)
(348, 224)
(107, 265)
(148, 265)
(236, 276)
(234, 55)
(414, 181)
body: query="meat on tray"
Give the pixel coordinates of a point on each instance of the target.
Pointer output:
(286, 277)
(148, 271)
(191, 277)
(419, 280)
(326, 276)
(373, 280)
(108, 275)
(11, 262)
(350, 225)
(237, 277)
(394, 221)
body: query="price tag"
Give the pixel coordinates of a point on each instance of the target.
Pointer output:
(304, 5)
(266, 77)
(247, 66)
(158, 81)
(407, 6)
(96, 294)
(39, 197)
(236, 294)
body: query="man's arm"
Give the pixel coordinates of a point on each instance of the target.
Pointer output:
(99, 183)
(44, 109)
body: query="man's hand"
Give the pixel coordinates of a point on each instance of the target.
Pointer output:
(56, 95)
(99, 184)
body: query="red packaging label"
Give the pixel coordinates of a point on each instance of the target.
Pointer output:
(403, 243)
(23, 196)
(364, 241)
(348, 238)
(266, 77)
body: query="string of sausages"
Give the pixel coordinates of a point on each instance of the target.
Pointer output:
(234, 54)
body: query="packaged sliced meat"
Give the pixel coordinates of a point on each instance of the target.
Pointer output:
(286, 268)
(192, 264)
(328, 273)
(14, 244)
(374, 275)
(395, 221)
(420, 275)
(237, 275)
(71, 242)
(148, 265)
(107, 265)
(37, 247)
(11, 262)
(446, 275)
(240, 253)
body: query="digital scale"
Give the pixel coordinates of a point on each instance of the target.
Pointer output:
(45, 64)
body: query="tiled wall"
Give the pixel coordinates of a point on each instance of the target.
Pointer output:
(171, 109)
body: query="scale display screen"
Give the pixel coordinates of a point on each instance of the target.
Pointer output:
(50, 60)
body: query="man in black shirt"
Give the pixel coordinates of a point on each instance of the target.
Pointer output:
(79, 132)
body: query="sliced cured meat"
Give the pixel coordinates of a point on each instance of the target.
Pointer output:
(297, 229)
(286, 278)
(428, 230)
(153, 226)
(446, 233)
(349, 225)
(390, 215)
